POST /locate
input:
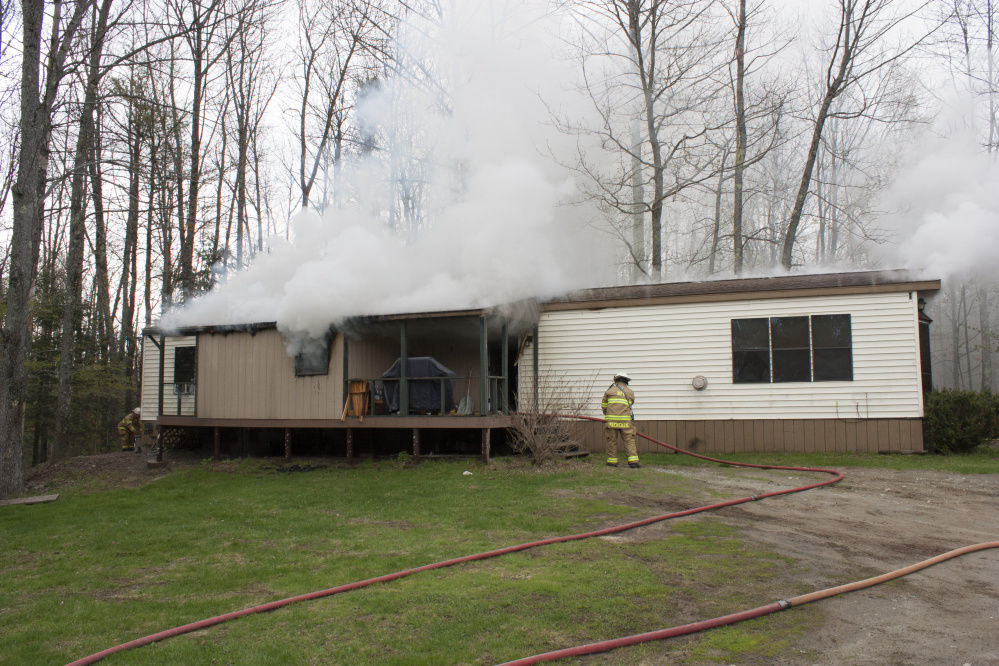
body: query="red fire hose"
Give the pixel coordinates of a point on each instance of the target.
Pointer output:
(587, 649)
(784, 604)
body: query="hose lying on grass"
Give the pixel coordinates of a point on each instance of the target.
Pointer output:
(784, 604)
(586, 649)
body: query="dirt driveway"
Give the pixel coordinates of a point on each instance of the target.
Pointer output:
(872, 522)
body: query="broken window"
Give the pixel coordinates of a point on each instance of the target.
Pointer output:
(313, 357)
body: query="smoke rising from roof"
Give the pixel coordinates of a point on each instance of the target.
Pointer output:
(950, 225)
(505, 235)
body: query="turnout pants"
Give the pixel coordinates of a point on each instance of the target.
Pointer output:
(627, 435)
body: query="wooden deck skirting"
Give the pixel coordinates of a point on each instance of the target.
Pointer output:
(704, 436)
(772, 435)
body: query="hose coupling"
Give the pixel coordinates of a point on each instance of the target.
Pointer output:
(784, 604)
(753, 497)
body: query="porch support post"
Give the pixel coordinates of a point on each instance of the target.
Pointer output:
(346, 372)
(287, 443)
(350, 446)
(217, 443)
(484, 408)
(403, 371)
(485, 445)
(505, 398)
(534, 348)
(416, 445)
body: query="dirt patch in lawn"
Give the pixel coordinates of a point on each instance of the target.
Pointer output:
(105, 471)
(873, 522)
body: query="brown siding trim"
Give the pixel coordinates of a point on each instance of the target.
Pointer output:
(780, 436)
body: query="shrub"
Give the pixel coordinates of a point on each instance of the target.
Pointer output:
(961, 420)
(540, 428)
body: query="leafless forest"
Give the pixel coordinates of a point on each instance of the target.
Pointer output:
(150, 150)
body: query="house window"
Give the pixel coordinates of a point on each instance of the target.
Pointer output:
(832, 348)
(789, 345)
(792, 349)
(185, 363)
(314, 357)
(750, 351)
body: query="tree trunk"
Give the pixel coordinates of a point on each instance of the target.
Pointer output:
(194, 177)
(740, 139)
(35, 126)
(848, 50)
(127, 287)
(712, 257)
(105, 319)
(77, 229)
(986, 335)
(655, 147)
(955, 335)
(147, 291)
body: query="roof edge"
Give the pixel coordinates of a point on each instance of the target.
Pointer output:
(783, 286)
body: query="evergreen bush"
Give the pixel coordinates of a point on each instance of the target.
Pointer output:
(961, 420)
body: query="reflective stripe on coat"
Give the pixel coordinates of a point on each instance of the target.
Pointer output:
(616, 405)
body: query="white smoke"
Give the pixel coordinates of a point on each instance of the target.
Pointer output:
(949, 195)
(507, 235)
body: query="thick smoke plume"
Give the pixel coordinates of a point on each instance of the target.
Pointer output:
(503, 233)
(950, 225)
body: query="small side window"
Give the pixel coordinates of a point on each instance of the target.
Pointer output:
(185, 364)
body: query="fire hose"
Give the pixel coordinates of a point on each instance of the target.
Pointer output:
(591, 648)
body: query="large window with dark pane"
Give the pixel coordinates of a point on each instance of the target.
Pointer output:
(832, 348)
(792, 349)
(789, 346)
(750, 351)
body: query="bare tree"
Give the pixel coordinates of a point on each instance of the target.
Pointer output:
(74, 259)
(859, 60)
(655, 63)
(767, 107)
(334, 39)
(251, 84)
(38, 96)
(203, 26)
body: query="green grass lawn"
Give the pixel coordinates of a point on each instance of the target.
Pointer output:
(95, 569)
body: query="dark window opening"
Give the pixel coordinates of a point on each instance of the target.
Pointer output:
(314, 357)
(185, 363)
(789, 342)
(750, 351)
(832, 348)
(792, 349)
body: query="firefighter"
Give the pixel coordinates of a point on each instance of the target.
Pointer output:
(129, 427)
(618, 417)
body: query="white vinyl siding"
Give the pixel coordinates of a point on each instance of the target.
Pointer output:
(149, 401)
(663, 347)
(151, 377)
